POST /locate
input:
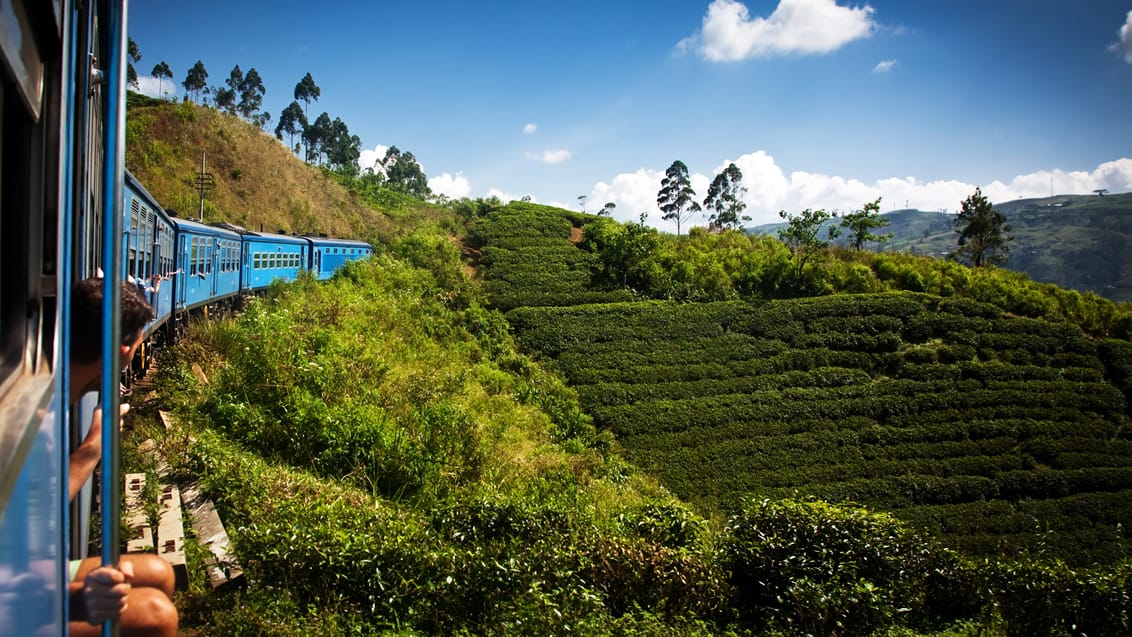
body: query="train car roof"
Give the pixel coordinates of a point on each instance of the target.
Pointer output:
(326, 241)
(269, 237)
(184, 225)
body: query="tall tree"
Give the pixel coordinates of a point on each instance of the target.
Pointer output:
(342, 148)
(861, 224)
(723, 197)
(306, 90)
(161, 71)
(676, 197)
(292, 122)
(133, 56)
(315, 135)
(404, 174)
(196, 80)
(607, 209)
(251, 95)
(228, 98)
(802, 234)
(983, 232)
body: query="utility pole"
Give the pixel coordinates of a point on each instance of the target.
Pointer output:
(205, 184)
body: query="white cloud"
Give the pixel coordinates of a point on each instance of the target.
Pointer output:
(369, 158)
(505, 197)
(884, 66)
(452, 187)
(729, 34)
(530, 129)
(770, 189)
(154, 87)
(633, 193)
(1123, 46)
(554, 156)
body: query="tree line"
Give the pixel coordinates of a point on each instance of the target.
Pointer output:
(984, 236)
(321, 141)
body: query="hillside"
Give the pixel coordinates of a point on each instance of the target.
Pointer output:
(1075, 241)
(259, 183)
(973, 423)
(392, 454)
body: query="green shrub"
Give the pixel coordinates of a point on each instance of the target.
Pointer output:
(806, 567)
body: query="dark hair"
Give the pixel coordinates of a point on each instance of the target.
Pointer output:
(86, 318)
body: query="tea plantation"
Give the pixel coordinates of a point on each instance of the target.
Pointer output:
(994, 432)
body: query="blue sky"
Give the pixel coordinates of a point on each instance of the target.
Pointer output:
(821, 103)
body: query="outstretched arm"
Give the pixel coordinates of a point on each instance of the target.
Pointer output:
(86, 456)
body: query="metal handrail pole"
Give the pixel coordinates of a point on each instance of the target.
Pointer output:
(114, 128)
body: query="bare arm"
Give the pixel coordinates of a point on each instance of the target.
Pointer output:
(86, 456)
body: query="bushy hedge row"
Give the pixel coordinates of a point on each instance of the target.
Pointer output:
(602, 394)
(518, 221)
(879, 401)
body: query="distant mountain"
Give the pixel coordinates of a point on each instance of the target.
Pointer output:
(1082, 242)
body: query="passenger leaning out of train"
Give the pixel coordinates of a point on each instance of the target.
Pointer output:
(139, 591)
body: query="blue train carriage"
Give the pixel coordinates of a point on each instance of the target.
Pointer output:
(268, 257)
(208, 260)
(148, 258)
(61, 148)
(327, 255)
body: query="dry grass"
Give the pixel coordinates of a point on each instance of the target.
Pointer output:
(260, 184)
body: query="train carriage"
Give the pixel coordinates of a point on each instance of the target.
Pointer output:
(148, 255)
(269, 257)
(62, 94)
(327, 255)
(209, 262)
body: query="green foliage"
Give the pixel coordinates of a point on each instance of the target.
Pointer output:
(881, 398)
(196, 80)
(801, 235)
(307, 91)
(676, 197)
(861, 224)
(724, 198)
(814, 569)
(983, 232)
(292, 121)
(404, 174)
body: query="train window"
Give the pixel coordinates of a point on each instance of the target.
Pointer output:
(193, 257)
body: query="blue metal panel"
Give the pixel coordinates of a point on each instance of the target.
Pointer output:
(201, 280)
(149, 234)
(31, 526)
(270, 257)
(327, 255)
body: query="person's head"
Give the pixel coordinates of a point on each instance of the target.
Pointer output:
(86, 329)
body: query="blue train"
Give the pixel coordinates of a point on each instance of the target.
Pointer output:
(184, 267)
(70, 210)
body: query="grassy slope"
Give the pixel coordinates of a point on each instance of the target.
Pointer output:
(259, 183)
